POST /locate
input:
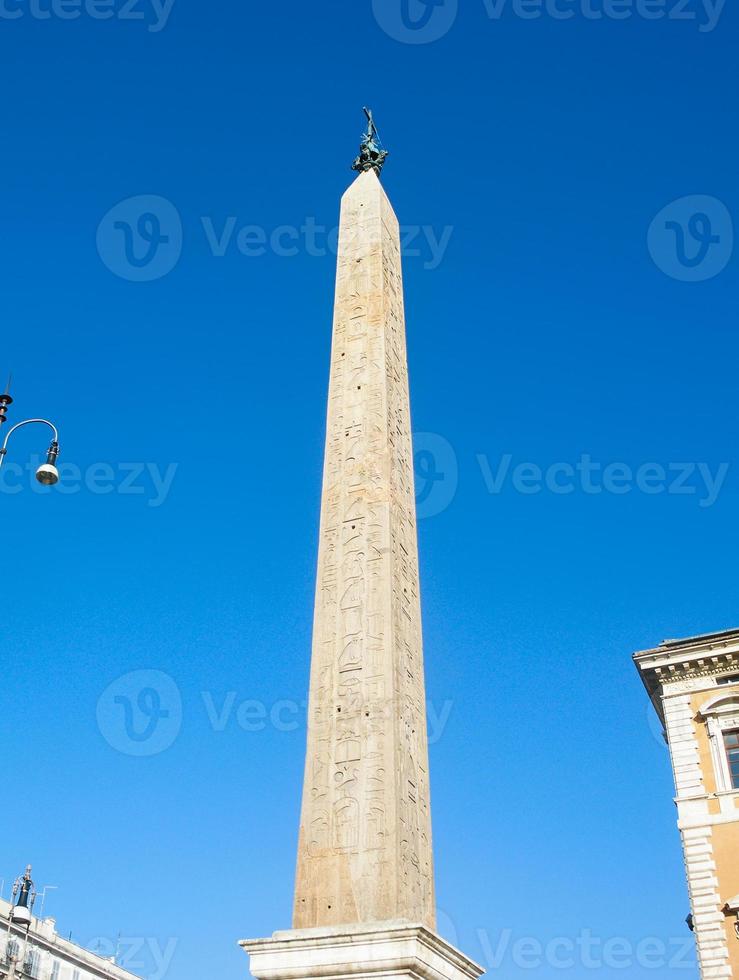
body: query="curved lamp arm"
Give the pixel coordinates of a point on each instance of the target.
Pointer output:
(18, 425)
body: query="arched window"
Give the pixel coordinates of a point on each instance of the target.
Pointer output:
(12, 950)
(32, 965)
(721, 714)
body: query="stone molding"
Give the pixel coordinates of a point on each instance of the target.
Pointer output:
(374, 950)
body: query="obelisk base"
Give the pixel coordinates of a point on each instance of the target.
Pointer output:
(378, 951)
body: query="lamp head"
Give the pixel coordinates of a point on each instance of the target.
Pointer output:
(48, 474)
(24, 896)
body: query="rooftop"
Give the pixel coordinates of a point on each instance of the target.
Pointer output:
(693, 645)
(42, 934)
(706, 655)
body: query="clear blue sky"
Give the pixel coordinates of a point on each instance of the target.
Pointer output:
(546, 333)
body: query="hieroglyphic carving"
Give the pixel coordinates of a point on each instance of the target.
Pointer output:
(365, 838)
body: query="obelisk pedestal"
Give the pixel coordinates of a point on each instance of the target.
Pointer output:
(376, 951)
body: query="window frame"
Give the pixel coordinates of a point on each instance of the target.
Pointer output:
(12, 950)
(721, 714)
(32, 962)
(729, 749)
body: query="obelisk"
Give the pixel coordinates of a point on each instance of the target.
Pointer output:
(364, 893)
(364, 852)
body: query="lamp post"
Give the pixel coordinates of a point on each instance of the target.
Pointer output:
(47, 473)
(20, 916)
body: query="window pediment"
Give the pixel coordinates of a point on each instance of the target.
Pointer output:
(721, 705)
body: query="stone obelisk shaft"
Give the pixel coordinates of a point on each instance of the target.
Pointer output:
(365, 835)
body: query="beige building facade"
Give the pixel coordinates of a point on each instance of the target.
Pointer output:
(40, 953)
(694, 687)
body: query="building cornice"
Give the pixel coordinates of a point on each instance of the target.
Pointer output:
(695, 657)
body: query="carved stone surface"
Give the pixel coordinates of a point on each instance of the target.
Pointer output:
(365, 837)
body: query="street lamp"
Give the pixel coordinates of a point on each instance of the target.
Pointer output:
(20, 917)
(47, 473)
(24, 895)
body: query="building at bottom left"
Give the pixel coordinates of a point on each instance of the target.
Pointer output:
(31, 949)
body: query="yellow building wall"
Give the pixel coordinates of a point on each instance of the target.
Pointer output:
(725, 836)
(726, 856)
(704, 744)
